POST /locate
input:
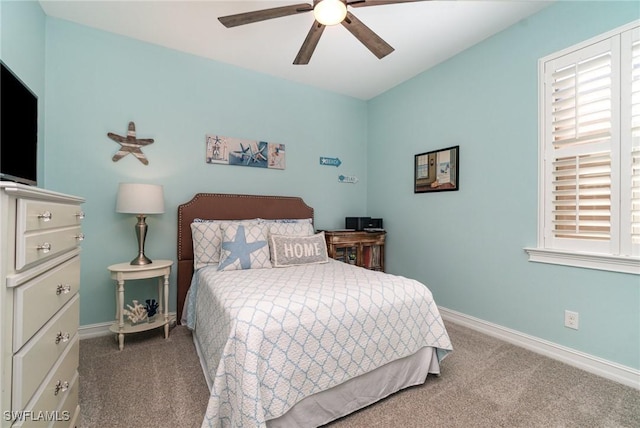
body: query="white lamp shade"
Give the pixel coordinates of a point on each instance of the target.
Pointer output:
(330, 12)
(136, 198)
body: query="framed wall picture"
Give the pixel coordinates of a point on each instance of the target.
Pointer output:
(235, 151)
(437, 171)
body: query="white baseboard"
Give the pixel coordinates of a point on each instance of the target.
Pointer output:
(608, 369)
(94, 330)
(102, 329)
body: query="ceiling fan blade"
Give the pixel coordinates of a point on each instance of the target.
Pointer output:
(262, 15)
(309, 44)
(367, 37)
(363, 3)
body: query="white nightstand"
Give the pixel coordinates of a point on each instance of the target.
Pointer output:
(122, 272)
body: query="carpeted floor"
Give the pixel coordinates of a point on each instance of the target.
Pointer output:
(485, 382)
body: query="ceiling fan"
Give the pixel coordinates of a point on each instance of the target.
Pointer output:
(326, 12)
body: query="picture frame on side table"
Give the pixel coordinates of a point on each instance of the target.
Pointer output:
(437, 171)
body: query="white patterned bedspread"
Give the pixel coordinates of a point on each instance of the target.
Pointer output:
(271, 337)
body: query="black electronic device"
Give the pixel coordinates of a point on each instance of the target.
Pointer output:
(375, 223)
(18, 129)
(363, 223)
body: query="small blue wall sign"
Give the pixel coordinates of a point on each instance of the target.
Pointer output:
(347, 179)
(330, 161)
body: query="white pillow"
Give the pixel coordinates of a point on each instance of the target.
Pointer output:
(207, 240)
(297, 227)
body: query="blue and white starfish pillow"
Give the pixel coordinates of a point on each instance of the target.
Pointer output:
(207, 240)
(244, 247)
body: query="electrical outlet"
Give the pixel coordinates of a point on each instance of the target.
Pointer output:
(571, 319)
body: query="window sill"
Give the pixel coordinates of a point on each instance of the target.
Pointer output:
(585, 260)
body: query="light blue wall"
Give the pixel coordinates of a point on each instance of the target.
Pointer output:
(97, 82)
(22, 47)
(468, 245)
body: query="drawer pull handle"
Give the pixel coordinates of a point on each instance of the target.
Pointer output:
(45, 248)
(80, 237)
(62, 337)
(63, 289)
(80, 215)
(45, 216)
(61, 387)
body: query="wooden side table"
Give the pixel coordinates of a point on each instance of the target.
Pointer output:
(122, 272)
(364, 249)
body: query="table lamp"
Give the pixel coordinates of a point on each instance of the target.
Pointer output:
(140, 199)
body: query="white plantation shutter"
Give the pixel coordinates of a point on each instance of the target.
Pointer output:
(590, 176)
(580, 98)
(635, 141)
(581, 206)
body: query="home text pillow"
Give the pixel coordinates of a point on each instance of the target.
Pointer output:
(298, 250)
(207, 240)
(244, 247)
(298, 227)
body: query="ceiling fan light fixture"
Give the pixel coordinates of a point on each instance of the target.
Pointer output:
(330, 12)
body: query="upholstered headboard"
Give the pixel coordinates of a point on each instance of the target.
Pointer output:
(218, 206)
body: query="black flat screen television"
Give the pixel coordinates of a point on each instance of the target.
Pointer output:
(18, 129)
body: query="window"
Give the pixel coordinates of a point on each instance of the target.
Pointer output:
(589, 198)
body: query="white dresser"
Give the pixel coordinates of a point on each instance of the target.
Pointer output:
(39, 306)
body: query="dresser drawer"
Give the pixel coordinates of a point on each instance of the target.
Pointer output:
(67, 412)
(39, 245)
(39, 215)
(66, 416)
(74, 413)
(38, 300)
(57, 394)
(33, 361)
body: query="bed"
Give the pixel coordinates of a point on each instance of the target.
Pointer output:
(303, 343)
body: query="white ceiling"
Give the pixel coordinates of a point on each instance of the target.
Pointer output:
(423, 34)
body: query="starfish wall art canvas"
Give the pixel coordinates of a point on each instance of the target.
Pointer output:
(235, 151)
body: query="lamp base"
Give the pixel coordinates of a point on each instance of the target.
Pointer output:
(141, 260)
(141, 234)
